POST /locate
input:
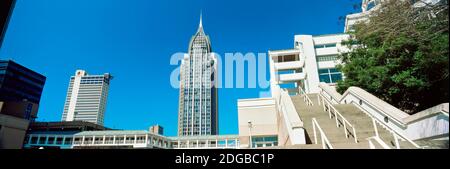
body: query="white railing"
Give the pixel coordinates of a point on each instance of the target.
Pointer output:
(379, 141)
(332, 111)
(306, 98)
(394, 134)
(382, 111)
(323, 138)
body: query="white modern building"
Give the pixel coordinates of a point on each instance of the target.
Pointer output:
(305, 111)
(312, 60)
(86, 97)
(198, 113)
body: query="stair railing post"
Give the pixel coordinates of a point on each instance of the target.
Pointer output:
(354, 135)
(323, 141)
(371, 145)
(318, 99)
(345, 129)
(314, 130)
(323, 103)
(375, 127)
(336, 118)
(397, 144)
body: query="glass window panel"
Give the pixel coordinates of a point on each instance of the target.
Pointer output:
(336, 77)
(324, 78)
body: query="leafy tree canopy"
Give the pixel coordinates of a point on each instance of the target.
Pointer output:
(401, 55)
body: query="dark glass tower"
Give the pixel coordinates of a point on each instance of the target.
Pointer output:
(18, 83)
(20, 87)
(198, 113)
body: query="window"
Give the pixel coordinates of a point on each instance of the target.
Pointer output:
(327, 58)
(266, 141)
(330, 45)
(329, 75)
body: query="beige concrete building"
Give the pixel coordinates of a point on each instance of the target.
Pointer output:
(257, 122)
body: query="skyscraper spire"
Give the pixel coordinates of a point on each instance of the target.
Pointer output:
(200, 25)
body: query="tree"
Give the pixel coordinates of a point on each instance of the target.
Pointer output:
(401, 55)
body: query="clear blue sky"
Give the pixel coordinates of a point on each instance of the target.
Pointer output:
(134, 40)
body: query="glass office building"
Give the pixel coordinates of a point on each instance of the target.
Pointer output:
(20, 90)
(198, 93)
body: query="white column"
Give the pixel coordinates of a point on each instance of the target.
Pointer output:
(63, 140)
(114, 139)
(46, 139)
(29, 138)
(217, 143)
(226, 142)
(104, 139)
(135, 139)
(82, 140)
(146, 139)
(55, 140)
(93, 140)
(197, 143)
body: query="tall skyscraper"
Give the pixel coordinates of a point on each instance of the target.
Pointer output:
(198, 114)
(86, 97)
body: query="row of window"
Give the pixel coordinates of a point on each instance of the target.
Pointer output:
(327, 58)
(331, 75)
(330, 45)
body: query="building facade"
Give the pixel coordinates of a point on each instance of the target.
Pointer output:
(156, 129)
(56, 135)
(86, 97)
(20, 94)
(312, 60)
(198, 113)
(306, 103)
(18, 83)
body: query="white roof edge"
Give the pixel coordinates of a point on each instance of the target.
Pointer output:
(392, 111)
(336, 96)
(435, 110)
(255, 99)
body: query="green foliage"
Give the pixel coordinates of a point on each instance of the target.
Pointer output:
(401, 56)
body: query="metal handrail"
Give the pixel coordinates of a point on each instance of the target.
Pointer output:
(396, 135)
(344, 122)
(379, 141)
(377, 120)
(306, 98)
(324, 140)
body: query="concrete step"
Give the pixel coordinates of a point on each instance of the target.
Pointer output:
(360, 120)
(298, 146)
(359, 145)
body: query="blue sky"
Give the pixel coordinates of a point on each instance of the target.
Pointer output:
(134, 40)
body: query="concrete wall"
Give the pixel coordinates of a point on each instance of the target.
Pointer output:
(263, 115)
(12, 132)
